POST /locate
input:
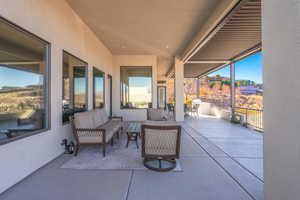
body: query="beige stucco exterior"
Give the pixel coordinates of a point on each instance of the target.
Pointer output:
(57, 23)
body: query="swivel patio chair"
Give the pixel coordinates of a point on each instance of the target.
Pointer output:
(160, 145)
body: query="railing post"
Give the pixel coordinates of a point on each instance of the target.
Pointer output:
(246, 125)
(232, 87)
(198, 88)
(179, 90)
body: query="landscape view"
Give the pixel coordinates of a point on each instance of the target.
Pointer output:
(215, 88)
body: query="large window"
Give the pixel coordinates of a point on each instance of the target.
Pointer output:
(98, 93)
(74, 85)
(23, 83)
(136, 87)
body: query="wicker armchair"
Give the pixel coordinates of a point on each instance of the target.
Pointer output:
(95, 127)
(160, 145)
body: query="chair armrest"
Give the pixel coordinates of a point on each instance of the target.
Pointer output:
(116, 117)
(90, 130)
(21, 130)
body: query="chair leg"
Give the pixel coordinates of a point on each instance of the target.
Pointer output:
(136, 141)
(104, 149)
(112, 141)
(118, 134)
(127, 141)
(76, 150)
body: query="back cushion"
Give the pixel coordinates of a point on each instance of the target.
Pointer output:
(84, 120)
(97, 115)
(104, 115)
(156, 114)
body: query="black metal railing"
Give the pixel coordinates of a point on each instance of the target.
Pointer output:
(250, 117)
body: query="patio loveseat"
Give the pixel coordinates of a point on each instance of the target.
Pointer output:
(95, 127)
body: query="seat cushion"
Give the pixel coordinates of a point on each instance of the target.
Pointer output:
(111, 127)
(104, 115)
(84, 120)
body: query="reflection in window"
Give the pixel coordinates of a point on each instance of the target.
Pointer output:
(98, 79)
(136, 87)
(23, 83)
(74, 86)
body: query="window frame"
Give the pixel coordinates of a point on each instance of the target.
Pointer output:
(94, 97)
(86, 82)
(121, 91)
(46, 82)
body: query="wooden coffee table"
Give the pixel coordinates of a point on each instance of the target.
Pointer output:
(133, 130)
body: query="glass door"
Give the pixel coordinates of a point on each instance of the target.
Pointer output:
(161, 97)
(110, 93)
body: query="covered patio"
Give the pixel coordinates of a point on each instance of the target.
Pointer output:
(84, 108)
(215, 156)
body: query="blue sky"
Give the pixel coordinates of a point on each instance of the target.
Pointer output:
(249, 68)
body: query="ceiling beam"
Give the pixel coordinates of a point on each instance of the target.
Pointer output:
(207, 61)
(21, 63)
(212, 70)
(236, 58)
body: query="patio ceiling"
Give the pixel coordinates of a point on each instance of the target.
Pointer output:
(141, 27)
(237, 35)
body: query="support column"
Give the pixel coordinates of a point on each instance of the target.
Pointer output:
(198, 88)
(232, 86)
(179, 90)
(90, 87)
(281, 58)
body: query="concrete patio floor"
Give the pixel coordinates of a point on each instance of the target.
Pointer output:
(220, 161)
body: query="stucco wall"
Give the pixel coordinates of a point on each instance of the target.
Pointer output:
(281, 72)
(141, 60)
(54, 21)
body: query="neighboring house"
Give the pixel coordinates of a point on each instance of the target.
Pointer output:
(249, 89)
